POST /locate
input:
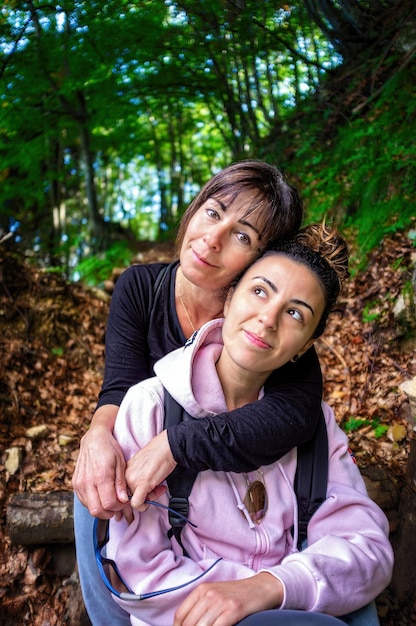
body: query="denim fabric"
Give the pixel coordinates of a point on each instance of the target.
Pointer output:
(101, 608)
(367, 616)
(289, 618)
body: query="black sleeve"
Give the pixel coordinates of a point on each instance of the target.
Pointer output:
(259, 433)
(128, 357)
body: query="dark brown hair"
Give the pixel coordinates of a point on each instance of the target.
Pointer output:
(279, 204)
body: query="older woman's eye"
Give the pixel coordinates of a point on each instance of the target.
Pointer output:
(212, 213)
(244, 238)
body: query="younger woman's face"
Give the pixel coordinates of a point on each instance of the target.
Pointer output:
(220, 241)
(271, 315)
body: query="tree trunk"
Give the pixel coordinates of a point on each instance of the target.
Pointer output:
(41, 518)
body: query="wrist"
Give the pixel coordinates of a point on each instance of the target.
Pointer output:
(105, 417)
(271, 590)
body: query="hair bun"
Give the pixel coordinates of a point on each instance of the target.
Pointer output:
(327, 241)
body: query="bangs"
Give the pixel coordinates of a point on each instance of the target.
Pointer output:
(257, 207)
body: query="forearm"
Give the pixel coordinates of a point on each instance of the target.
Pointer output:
(229, 602)
(334, 576)
(259, 433)
(155, 566)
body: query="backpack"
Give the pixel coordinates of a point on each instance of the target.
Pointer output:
(310, 485)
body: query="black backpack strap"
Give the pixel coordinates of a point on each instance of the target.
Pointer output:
(160, 277)
(181, 480)
(311, 477)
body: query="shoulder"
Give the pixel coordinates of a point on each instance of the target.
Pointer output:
(336, 436)
(145, 398)
(139, 280)
(143, 273)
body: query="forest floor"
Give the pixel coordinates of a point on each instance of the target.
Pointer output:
(51, 367)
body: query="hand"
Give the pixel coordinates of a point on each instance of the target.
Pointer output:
(227, 603)
(99, 477)
(147, 469)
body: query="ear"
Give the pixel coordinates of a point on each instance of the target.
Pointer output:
(306, 347)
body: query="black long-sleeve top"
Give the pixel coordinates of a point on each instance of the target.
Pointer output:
(143, 326)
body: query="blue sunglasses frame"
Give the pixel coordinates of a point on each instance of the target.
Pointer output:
(102, 561)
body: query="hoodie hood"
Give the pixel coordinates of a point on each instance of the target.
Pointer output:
(189, 373)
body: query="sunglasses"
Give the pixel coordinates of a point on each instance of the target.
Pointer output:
(256, 501)
(109, 571)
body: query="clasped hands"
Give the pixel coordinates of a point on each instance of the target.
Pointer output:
(107, 485)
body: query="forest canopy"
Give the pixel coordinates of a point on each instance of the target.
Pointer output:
(113, 114)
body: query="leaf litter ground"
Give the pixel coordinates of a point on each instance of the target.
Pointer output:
(51, 367)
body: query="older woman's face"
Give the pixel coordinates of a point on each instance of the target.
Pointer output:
(220, 242)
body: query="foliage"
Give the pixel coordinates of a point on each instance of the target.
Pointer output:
(353, 424)
(97, 268)
(181, 90)
(364, 175)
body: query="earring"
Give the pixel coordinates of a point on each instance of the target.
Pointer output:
(295, 358)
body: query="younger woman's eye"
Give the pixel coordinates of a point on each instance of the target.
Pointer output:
(259, 291)
(297, 315)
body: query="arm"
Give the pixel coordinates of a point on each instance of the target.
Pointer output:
(148, 563)
(145, 555)
(349, 559)
(229, 602)
(242, 440)
(259, 433)
(99, 477)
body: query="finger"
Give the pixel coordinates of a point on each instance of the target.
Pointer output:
(157, 492)
(126, 513)
(139, 496)
(120, 482)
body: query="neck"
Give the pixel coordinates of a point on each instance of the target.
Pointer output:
(239, 385)
(195, 305)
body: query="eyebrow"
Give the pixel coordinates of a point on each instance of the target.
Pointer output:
(242, 221)
(293, 300)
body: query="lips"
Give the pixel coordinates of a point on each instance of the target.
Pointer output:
(201, 259)
(256, 340)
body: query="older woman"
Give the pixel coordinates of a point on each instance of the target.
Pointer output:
(237, 214)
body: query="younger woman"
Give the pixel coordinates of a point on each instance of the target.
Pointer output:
(241, 556)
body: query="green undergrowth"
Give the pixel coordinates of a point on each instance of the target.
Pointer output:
(364, 176)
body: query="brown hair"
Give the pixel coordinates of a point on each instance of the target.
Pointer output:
(279, 204)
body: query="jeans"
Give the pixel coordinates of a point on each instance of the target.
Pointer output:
(101, 608)
(367, 616)
(103, 611)
(289, 618)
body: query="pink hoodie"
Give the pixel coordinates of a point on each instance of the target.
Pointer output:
(347, 563)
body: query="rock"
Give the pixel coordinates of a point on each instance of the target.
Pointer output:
(14, 459)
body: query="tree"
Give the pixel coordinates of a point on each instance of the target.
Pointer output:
(114, 111)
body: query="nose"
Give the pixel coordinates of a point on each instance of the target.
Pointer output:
(269, 316)
(214, 237)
